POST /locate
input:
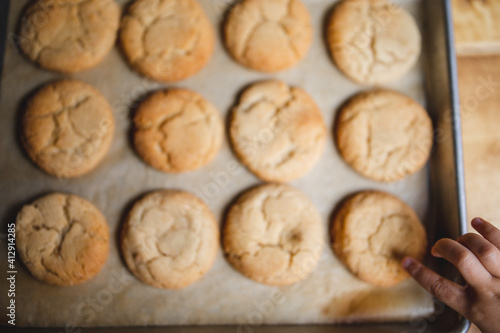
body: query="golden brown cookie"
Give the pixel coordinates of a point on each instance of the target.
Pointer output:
(169, 239)
(372, 232)
(167, 40)
(277, 131)
(373, 41)
(268, 35)
(477, 27)
(177, 130)
(69, 35)
(67, 128)
(384, 135)
(62, 239)
(273, 235)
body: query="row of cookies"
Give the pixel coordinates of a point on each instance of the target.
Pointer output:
(276, 131)
(265, 130)
(371, 41)
(272, 234)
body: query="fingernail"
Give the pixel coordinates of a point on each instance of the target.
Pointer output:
(435, 253)
(407, 263)
(477, 222)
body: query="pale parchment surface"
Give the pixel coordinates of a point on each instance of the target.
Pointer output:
(223, 296)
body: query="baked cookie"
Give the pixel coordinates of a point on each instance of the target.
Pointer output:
(167, 40)
(477, 28)
(268, 35)
(372, 232)
(62, 239)
(67, 128)
(69, 35)
(273, 235)
(384, 135)
(177, 130)
(277, 131)
(169, 239)
(373, 41)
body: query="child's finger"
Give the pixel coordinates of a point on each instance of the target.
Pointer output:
(446, 291)
(487, 230)
(464, 260)
(487, 253)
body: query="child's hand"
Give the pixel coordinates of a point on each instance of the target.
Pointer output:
(478, 260)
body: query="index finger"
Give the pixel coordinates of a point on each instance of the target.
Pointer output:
(445, 290)
(487, 230)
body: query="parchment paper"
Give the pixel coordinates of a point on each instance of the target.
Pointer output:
(223, 296)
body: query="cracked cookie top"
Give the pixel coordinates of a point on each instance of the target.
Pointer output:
(167, 40)
(268, 35)
(384, 135)
(177, 130)
(67, 128)
(372, 232)
(277, 131)
(69, 35)
(373, 41)
(476, 27)
(274, 235)
(169, 239)
(62, 239)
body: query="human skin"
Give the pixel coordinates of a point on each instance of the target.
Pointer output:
(477, 257)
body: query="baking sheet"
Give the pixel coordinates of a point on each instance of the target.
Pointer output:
(223, 296)
(480, 98)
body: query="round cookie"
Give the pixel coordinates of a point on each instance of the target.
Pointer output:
(167, 40)
(277, 131)
(169, 239)
(273, 235)
(67, 128)
(372, 232)
(373, 41)
(69, 35)
(384, 135)
(62, 239)
(177, 130)
(268, 35)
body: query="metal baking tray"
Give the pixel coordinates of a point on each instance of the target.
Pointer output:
(446, 212)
